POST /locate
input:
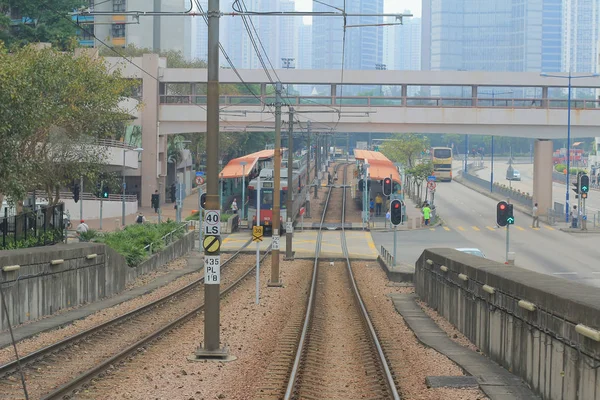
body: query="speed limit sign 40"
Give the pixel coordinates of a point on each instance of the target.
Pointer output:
(431, 185)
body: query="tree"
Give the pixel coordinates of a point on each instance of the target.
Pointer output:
(29, 21)
(405, 148)
(53, 105)
(418, 174)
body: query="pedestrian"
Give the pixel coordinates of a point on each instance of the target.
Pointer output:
(155, 201)
(378, 204)
(371, 208)
(426, 214)
(536, 219)
(574, 217)
(140, 218)
(335, 178)
(81, 228)
(234, 206)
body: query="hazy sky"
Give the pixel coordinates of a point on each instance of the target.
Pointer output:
(390, 6)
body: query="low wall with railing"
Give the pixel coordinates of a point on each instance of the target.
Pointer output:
(42, 281)
(544, 329)
(502, 191)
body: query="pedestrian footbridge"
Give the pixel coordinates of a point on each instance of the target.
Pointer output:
(492, 103)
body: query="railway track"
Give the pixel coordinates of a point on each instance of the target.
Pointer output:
(58, 370)
(338, 354)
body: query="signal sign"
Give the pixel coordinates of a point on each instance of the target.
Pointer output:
(387, 186)
(504, 214)
(585, 183)
(396, 212)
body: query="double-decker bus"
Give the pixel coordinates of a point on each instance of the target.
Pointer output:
(441, 157)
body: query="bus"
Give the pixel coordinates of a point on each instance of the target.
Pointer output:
(441, 157)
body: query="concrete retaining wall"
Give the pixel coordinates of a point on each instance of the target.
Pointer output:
(504, 192)
(540, 346)
(39, 289)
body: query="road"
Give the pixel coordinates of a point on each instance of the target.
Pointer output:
(469, 221)
(526, 185)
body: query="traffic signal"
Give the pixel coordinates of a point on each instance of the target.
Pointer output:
(203, 201)
(502, 213)
(105, 192)
(387, 186)
(584, 195)
(510, 218)
(76, 192)
(576, 187)
(584, 183)
(396, 212)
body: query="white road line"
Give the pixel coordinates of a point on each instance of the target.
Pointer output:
(564, 273)
(597, 272)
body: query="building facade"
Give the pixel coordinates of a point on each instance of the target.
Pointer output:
(154, 32)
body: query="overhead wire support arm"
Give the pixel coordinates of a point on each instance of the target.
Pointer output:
(239, 13)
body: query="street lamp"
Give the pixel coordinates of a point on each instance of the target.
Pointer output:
(569, 77)
(243, 163)
(138, 150)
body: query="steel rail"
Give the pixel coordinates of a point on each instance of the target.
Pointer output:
(310, 307)
(11, 367)
(365, 315)
(87, 376)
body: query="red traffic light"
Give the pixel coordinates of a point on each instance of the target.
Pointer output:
(396, 205)
(502, 206)
(388, 180)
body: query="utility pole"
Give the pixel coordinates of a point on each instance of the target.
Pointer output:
(276, 191)
(317, 165)
(289, 254)
(212, 259)
(308, 155)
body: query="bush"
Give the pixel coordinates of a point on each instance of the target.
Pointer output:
(560, 167)
(131, 241)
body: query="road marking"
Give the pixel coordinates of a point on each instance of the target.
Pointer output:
(564, 273)
(446, 228)
(432, 229)
(490, 228)
(476, 228)
(536, 229)
(370, 242)
(549, 227)
(596, 272)
(460, 228)
(519, 228)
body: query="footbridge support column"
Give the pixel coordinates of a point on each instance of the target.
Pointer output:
(542, 175)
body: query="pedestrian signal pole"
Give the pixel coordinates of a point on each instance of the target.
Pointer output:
(395, 220)
(505, 217)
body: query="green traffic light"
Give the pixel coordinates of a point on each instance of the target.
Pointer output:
(584, 188)
(510, 220)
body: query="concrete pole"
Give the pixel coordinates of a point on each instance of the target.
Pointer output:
(289, 254)
(308, 156)
(347, 146)
(211, 347)
(243, 187)
(276, 189)
(123, 190)
(492, 168)
(568, 150)
(317, 166)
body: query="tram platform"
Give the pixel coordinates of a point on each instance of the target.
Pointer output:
(360, 244)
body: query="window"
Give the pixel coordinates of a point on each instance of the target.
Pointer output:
(119, 5)
(118, 30)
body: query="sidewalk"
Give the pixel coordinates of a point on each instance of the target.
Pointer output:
(413, 218)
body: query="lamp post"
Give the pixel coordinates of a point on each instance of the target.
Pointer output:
(138, 150)
(221, 197)
(243, 163)
(569, 77)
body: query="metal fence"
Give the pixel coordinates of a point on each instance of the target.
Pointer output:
(42, 227)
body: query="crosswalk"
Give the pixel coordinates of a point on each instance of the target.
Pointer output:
(492, 228)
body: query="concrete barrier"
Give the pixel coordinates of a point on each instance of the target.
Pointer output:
(542, 328)
(34, 287)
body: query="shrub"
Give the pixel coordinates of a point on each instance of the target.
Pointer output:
(560, 167)
(131, 241)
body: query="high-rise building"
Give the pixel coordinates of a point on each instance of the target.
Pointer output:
(155, 32)
(303, 53)
(363, 46)
(402, 45)
(495, 35)
(199, 35)
(276, 34)
(580, 39)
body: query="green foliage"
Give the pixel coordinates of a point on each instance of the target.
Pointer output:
(421, 171)
(51, 105)
(560, 167)
(38, 21)
(175, 58)
(89, 235)
(131, 241)
(50, 237)
(405, 148)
